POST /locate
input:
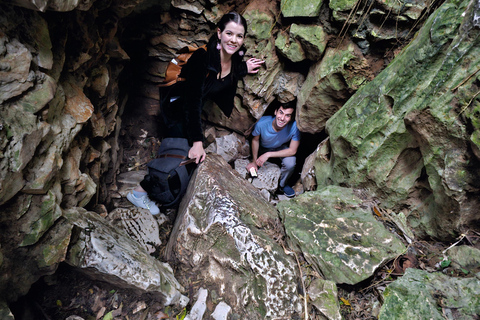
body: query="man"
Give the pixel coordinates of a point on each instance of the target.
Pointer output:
(277, 137)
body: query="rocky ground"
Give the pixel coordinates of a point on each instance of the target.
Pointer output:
(69, 294)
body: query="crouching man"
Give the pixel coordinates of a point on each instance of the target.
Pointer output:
(277, 137)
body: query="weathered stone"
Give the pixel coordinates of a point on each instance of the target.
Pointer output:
(41, 94)
(109, 254)
(54, 5)
(312, 39)
(337, 234)
(5, 313)
(419, 294)
(401, 135)
(239, 121)
(138, 223)
(267, 175)
(15, 75)
(41, 214)
(76, 102)
(43, 171)
(327, 87)
(324, 297)
(221, 312)
(194, 7)
(289, 47)
(99, 80)
(464, 257)
(259, 89)
(220, 234)
(260, 21)
(200, 306)
(300, 8)
(230, 147)
(287, 85)
(43, 45)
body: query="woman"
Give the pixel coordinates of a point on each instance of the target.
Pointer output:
(210, 74)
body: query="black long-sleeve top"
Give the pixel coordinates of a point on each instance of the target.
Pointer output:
(201, 83)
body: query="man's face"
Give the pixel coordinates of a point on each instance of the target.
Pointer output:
(282, 118)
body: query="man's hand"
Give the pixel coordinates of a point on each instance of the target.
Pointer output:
(197, 152)
(262, 159)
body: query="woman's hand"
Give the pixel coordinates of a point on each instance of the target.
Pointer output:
(197, 152)
(254, 64)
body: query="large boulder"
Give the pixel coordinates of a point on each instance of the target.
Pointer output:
(403, 135)
(224, 236)
(423, 295)
(338, 234)
(109, 254)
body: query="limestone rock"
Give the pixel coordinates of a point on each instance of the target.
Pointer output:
(421, 294)
(221, 233)
(402, 136)
(230, 147)
(313, 39)
(138, 223)
(267, 175)
(324, 296)
(109, 254)
(287, 85)
(289, 47)
(15, 75)
(300, 8)
(337, 234)
(328, 86)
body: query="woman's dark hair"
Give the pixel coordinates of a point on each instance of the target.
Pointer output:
(232, 16)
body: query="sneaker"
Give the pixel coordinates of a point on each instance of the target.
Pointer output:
(288, 191)
(144, 202)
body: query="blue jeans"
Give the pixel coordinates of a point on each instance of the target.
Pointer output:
(287, 164)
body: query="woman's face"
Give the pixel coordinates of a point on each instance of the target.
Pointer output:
(231, 38)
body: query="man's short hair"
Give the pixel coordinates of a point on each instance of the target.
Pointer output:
(288, 105)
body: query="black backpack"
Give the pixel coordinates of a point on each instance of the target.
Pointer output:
(169, 174)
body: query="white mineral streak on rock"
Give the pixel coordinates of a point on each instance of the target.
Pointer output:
(279, 279)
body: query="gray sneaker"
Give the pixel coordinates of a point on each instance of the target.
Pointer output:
(144, 202)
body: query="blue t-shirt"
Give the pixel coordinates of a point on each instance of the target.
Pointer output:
(271, 139)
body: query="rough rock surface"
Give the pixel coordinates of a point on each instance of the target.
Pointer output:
(403, 135)
(224, 235)
(338, 234)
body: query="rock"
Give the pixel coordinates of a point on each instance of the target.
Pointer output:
(15, 75)
(221, 235)
(200, 306)
(5, 313)
(230, 147)
(109, 254)
(312, 38)
(138, 223)
(267, 175)
(77, 104)
(324, 296)
(337, 234)
(392, 135)
(289, 47)
(221, 311)
(288, 85)
(328, 86)
(41, 214)
(300, 8)
(421, 294)
(464, 257)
